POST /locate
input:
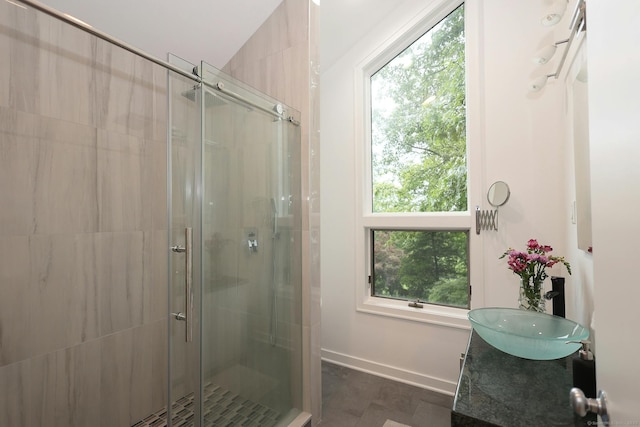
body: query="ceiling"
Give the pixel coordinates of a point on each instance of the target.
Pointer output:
(344, 22)
(214, 30)
(195, 30)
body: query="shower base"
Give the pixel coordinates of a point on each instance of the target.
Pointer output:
(221, 407)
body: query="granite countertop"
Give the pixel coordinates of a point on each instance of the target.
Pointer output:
(497, 389)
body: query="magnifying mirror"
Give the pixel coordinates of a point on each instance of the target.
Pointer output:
(498, 193)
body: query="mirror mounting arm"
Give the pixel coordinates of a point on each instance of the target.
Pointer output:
(486, 219)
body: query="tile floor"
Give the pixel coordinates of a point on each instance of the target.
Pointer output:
(221, 408)
(352, 398)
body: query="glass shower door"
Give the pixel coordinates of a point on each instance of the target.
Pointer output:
(251, 275)
(185, 183)
(235, 327)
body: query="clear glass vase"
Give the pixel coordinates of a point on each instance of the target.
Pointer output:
(531, 296)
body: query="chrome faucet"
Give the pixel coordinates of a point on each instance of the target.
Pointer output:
(252, 241)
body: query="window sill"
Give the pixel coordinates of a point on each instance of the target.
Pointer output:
(434, 314)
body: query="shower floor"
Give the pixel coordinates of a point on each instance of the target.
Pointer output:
(221, 408)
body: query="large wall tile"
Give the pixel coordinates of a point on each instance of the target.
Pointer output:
(19, 41)
(159, 363)
(140, 379)
(156, 289)
(65, 187)
(63, 294)
(126, 376)
(64, 75)
(52, 130)
(78, 386)
(160, 120)
(15, 306)
(83, 227)
(155, 185)
(126, 92)
(17, 163)
(48, 174)
(15, 391)
(121, 277)
(42, 392)
(122, 203)
(287, 26)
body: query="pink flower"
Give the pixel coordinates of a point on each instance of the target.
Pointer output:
(538, 258)
(532, 263)
(517, 265)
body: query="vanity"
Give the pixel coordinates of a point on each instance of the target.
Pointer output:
(497, 389)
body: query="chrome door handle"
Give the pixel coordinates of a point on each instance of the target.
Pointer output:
(187, 316)
(582, 405)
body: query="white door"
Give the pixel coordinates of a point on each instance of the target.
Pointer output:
(613, 41)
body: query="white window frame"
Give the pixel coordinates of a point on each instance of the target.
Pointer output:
(366, 220)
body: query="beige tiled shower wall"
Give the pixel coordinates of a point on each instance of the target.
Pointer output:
(281, 60)
(82, 227)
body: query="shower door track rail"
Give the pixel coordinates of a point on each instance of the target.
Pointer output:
(75, 22)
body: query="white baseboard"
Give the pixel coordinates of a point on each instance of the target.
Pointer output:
(438, 385)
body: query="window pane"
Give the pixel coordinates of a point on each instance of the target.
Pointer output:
(418, 124)
(430, 266)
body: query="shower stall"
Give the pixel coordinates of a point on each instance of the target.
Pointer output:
(150, 237)
(235, 268)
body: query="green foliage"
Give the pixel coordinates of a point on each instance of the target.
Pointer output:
(419, 125)
(420, 165)
(451, 292)
(426, 265)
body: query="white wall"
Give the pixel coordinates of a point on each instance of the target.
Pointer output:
(522, 141)
(614, 66)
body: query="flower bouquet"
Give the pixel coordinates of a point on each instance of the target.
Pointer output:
(531, 266)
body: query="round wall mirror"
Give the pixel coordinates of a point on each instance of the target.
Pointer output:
(498, 193)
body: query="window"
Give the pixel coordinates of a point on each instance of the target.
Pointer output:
(416, 209)
(418, 124)
(421, 265)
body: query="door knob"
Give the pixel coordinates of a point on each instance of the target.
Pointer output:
(583, 405)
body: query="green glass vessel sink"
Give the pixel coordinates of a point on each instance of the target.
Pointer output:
(527, 334)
